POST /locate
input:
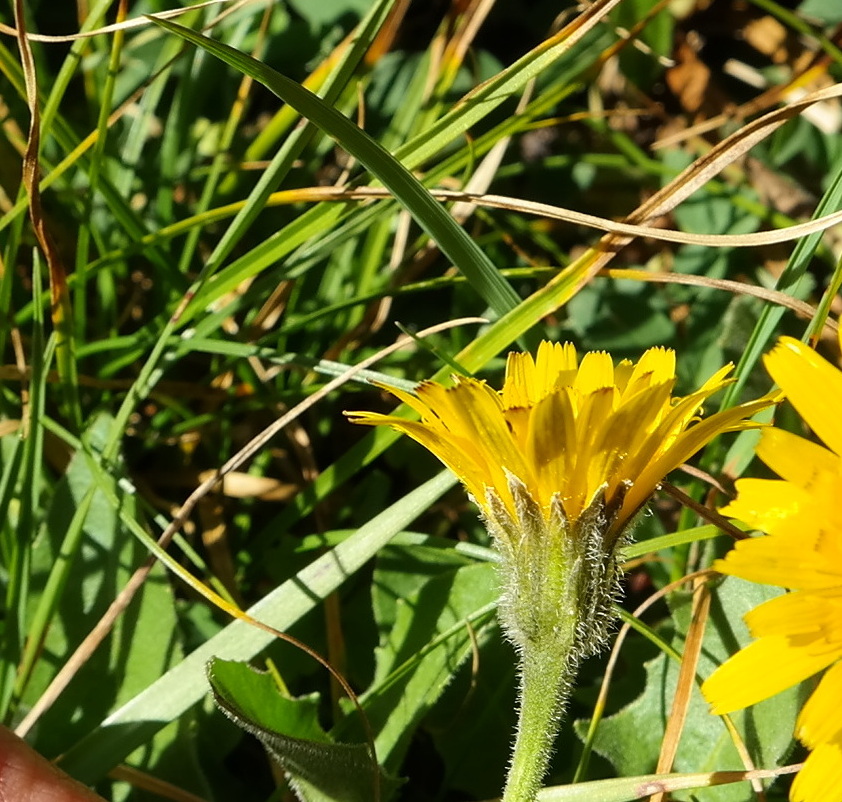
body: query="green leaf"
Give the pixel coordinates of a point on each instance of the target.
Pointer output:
(144, 642)
(318, 769)
(428, 633)
(184, 685)
(828, 13)
(644, 68)
(631, 739)
(326, 12)
(136, 652)
(474, 722)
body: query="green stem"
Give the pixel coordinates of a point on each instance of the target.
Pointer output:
(544, 685)
(558, 578)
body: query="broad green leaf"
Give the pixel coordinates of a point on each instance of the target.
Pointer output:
(184, 685)
(319, 769)
(631, 739)
(828, 13)
(144, 642)
(427, 636)
(473, 724)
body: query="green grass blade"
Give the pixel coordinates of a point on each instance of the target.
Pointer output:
(453, 240)
(489, 95)
(183, 686)
(295, 143)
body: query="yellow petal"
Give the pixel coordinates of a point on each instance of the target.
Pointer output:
(764, 668)
(627, 441)
(819, 721)
(813, 613)
(457, 454)
(595, 373)
(552, 445)
(657, 365)
(767, 504)
(718, 380)
(635, 429)
(812, 385)
(686, 444)
(623, 371)
(794, 458)
(519, 385)
(555, 364)
(821, 778)
(517, 419)
(787, 561)
(580, 433)
(412, 401)
(588, 474)
(376, 418)
(476, 414)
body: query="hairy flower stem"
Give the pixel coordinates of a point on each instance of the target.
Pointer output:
(545, 679)
(558, 579)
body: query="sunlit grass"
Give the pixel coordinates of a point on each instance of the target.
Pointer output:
(201, 264)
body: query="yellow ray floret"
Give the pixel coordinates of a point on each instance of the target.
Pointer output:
(821, 777)
(573, 433)
(812, 385)
(798, 634)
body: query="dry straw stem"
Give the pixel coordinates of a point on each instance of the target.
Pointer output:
(60, 308)
(774, 95)
(550, 212)
(144, 781)
(137, 22)
(736, 287)
(105, 624)
(684, 685)
(58, 280)
(724, 153)
(580, 272)
(680, 782)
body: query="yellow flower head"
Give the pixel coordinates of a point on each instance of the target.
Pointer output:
(559, 462)
(572, 433)
(800, 633)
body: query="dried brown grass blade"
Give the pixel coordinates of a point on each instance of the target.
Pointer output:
(548, 211)
(59, 294)
(144, 781)
(736, 287)
(118, 26)
(686, 681)
(31, 164)
(771, 97)
(578, 274)
(724, 153)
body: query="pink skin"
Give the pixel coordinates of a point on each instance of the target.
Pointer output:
(25, 776)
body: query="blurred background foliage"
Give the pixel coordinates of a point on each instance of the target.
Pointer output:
(177, 332)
